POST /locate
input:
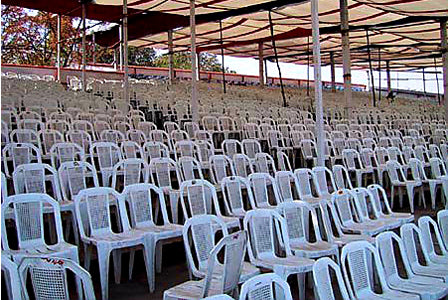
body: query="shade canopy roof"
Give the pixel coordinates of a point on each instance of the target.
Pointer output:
(404, 32)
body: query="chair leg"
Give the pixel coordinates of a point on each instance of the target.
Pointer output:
(301, 283)
(392, 195)
(159, 256)
(410, 190)
(116, 255)
(148, 254)
(103, 261)
(87, 256)
(131, 262)
(433, 192)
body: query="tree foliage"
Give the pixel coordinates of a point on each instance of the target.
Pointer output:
(30, 37)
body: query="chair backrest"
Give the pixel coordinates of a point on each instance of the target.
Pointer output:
(231, 147)
(323, 283)
(437, 167)
(323, 181)
(62, 152)
(198, 197)
(93, 211)
(341, 177)
(155, 150)
(28, 212)
(297, 215)
(251, 147)
(266, 228)
(81, 138)
(161, 170)
(284, 180)
(12, 280)
(413, 243)
(267, 286)
(264, 163)
(133, 170)
(343, 202)
(33, 178)
(242, 165)
(184, 148)
(143, 205)
(107, 154)
(358, 260)
(442, 220)
(189, 168)
(391, 251)
(431, 236)
(49, 278)
(305, 183)
(199, 236)
(220, 166)
(234, 248)
(233, 189)
(74, 177)
(259, 183)
(19, 154)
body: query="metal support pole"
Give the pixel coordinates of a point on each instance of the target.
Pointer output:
(115, 59)
(424, 81)
(333, 74)
(194, 75)
(125, 51)
(308, 68)
(379, 75)
(223, 68)
(437, 80)
(266, 70)
(58, 55)
(318, 84)
(371, 69)
(120, 33)
(94, 48)
(276, 60)
(198, 65)
(346, 61)
(389, 84)
(260, 65)
(83, 46)
(170, 57)
(444, 44)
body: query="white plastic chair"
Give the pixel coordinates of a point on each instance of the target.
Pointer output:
(49, 278)
(419, 174)
(62, 152)
(93, 212)
(233, 246)
(199, 234)
(442, 220)
(305, 181)
(19, 154)
(242, 165)
(323, 281)
(260, 184)
(267, 286)
(133, 170)
(414, 247)
(399, 180)
(189, 168)
(233, 190)
(431, 239)
(251, 147)
(379, 197)
(28, 214)
(347, 209)
(220, 166)
(131, 149)
(12, 278)
(199, 197)
(353, 163)
(324, 182)
(427, 288)
(358, 260)
(298, 215)
(332, 229)
(155, 150)
(266, 229)
(104, 156)
(144, 211)
(264, 163)
(287, 185)
(341, 177)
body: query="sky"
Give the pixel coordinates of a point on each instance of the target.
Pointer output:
(407, 80)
